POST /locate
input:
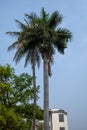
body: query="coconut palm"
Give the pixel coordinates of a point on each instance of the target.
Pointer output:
(25, 46)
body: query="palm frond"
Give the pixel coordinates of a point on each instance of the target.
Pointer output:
(31, 17)
(28, 58)
(44, 15)
(32, 54)
(21, 25)
(54, 20)
(64, 33)
(27, 23)
(16, 34)
(13, 46)
(20, 53)
(61, 39)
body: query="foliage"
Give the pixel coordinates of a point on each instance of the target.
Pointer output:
(40, 34)
(9, 119)
(27, 111)
(15, 94)
(14, 89)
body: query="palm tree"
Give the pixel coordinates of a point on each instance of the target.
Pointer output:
(52, 38)
(24, 46)
(45, 35)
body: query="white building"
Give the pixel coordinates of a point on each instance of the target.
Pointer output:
(58, 119)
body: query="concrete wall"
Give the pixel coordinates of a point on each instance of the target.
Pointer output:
(55, 124)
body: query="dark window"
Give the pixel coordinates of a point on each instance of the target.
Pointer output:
(61, 118)
(62, 128)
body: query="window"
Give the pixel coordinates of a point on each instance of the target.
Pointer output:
(61, 118)
(62, 128)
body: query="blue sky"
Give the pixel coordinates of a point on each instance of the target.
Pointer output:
(68, 84)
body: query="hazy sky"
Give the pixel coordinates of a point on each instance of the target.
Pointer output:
(68, 84)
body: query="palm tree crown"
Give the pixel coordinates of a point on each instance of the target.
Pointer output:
(51, 37)
(26, 43)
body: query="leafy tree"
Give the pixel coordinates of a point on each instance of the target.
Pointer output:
(15, 89)
(45, 34)
(9, 119)
(15, 92)
(27, 112)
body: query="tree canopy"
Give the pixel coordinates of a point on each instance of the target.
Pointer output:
(16, 94)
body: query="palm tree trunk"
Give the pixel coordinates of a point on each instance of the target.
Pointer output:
(34, 85)
(46, 94)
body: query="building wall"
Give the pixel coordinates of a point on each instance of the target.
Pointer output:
(55, 124)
